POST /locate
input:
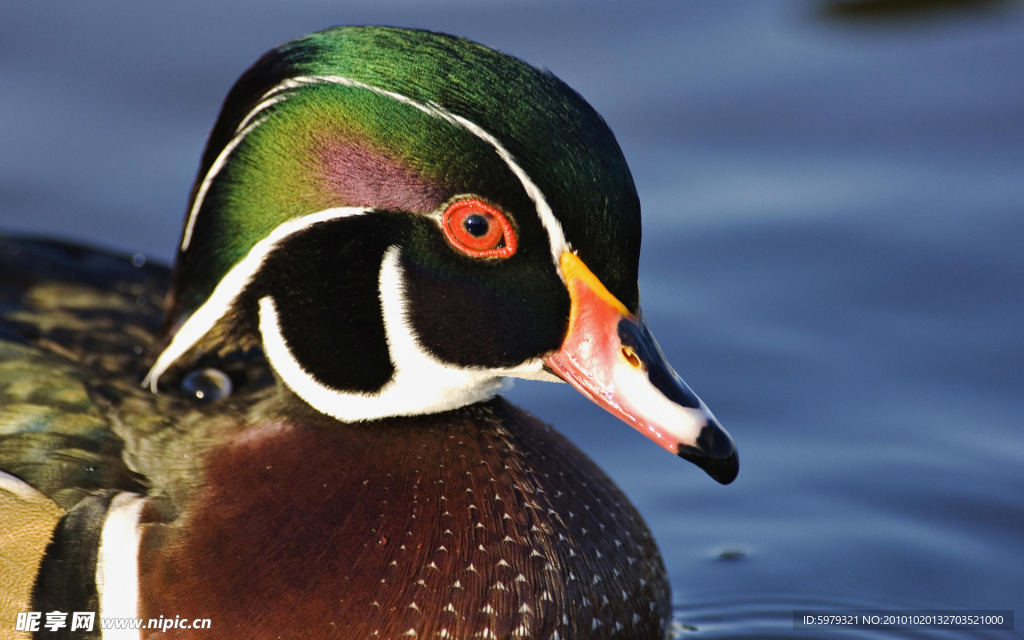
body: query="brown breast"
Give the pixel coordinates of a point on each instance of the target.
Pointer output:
(476, 523)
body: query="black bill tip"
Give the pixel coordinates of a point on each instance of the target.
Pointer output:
(715, 453)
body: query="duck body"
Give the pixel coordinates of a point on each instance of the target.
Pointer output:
(296, 433)
(288, 519)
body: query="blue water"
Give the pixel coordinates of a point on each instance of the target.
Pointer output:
(833, 258)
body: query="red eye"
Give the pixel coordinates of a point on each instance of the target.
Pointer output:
(478, 229)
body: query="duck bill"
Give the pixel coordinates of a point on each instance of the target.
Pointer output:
(610, 356)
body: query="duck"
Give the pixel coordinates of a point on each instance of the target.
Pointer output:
(297, 431)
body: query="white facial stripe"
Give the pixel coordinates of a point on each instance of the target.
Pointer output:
(117, 563)
(547, 217)
(264, 104)
(551, 224)
(244, 129)
(215, 168)
(231, 285)
(421, 384)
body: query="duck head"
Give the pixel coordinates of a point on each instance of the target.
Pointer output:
(402, 219)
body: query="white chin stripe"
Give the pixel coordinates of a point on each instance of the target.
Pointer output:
(232, 285)
(421, 384)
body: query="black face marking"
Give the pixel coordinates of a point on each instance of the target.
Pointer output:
(324, 282)
(476, 313)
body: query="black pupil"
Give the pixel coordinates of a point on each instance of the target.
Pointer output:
(476, 225)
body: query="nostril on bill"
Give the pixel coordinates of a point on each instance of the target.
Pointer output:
(630, 356)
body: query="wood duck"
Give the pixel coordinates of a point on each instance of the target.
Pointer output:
(385, 225)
